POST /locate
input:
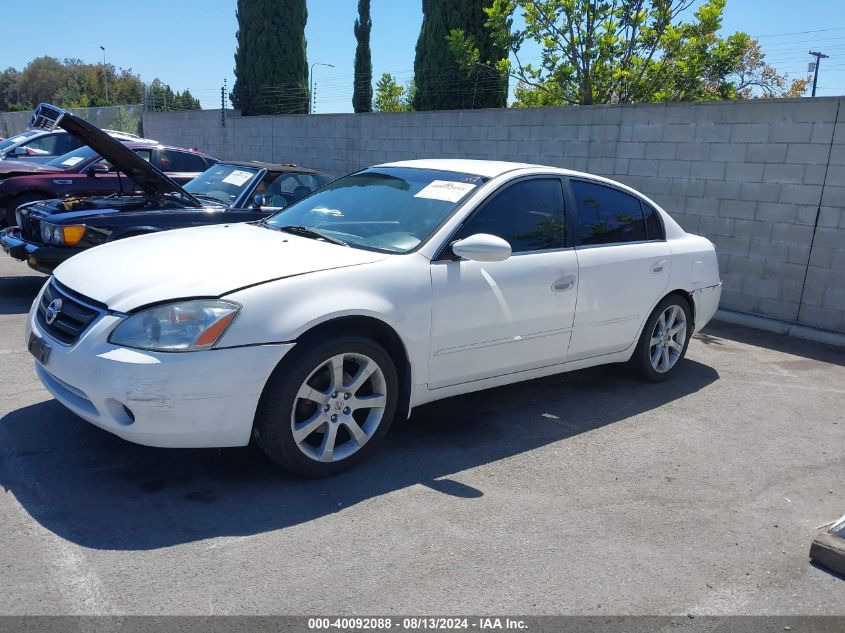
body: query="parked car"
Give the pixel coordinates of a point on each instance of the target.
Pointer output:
(83, 172)
(394, 286)
(50, 231)
(40, 145)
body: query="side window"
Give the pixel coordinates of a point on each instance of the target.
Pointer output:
(172, 160)
(653, 225)
(528, 215)
(146, 154)
(607, 215)
(48, 145)
(291, 187)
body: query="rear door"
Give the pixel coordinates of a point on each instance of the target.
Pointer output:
(623, 267)
(494, 318)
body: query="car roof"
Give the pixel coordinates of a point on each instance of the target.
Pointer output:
(270, 166)
(486, 168)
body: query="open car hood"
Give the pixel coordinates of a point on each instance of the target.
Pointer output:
(149, 179)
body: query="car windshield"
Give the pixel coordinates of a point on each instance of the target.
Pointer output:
(389, 209)
(17, 138)
(73, 158)
(222, 182)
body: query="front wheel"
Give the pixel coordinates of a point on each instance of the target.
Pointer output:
(664, 340)
(327, 405)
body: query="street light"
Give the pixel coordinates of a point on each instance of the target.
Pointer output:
(311, 85)
(105, 78)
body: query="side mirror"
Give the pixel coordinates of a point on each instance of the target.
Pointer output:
(259, 201)
(482, 247)
(20, 151)
(97, 168)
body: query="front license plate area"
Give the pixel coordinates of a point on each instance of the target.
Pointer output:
(38, 348)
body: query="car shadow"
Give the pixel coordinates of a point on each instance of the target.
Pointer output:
(92, 488)
(19, 292)
(717, 331)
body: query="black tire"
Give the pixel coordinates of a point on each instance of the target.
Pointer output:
(273, 428)
(640, 363)
(17, 201)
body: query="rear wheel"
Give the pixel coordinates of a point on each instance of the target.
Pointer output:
(327, 405)
(664, 340)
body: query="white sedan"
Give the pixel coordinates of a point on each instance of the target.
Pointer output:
(394, 286)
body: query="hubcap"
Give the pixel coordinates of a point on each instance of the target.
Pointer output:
(339, 407)
(667, 339)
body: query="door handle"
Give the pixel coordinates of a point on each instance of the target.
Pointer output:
(657, 267)
(564, 283)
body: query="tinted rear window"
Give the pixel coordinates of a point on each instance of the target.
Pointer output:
(607, 215)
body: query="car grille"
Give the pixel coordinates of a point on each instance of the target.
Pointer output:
(30, 225)
(74, 317)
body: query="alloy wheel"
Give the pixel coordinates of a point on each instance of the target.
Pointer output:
(668, 339)
(339, 407)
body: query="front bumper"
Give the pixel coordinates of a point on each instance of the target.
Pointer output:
(40, 257)
(181, 400)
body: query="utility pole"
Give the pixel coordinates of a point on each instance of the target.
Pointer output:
(819, 57)
(105, 77)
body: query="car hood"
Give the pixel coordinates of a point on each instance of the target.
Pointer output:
(206, 261)
(10, 168)
(148, 178)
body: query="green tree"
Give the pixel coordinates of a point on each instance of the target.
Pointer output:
(41, 80)
(391, 97)
(619, 51)
(271, 68)
(755, 78)
(362, 95)
(9, 89)
(455, 56)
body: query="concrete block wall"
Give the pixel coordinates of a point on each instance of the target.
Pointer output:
(763, 179)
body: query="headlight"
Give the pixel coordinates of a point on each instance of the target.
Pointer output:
(62, 235)
(185, 326)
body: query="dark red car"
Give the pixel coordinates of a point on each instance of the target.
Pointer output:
(82, 172)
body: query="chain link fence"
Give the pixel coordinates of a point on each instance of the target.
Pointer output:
(125, 118)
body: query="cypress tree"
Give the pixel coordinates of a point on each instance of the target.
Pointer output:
(271, 68)
(441, 83)
(362, 96)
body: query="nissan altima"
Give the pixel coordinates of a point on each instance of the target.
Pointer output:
(397, 285)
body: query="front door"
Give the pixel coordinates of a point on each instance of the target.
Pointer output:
(494, 318)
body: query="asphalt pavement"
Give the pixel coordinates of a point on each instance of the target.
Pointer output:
(584, 493)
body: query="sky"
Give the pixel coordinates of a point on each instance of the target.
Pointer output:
(191, 43)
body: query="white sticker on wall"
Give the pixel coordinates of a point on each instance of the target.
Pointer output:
(447, 190)
(238, 177)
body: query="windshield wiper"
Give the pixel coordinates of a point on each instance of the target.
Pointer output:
(304, 231)
(208, 197)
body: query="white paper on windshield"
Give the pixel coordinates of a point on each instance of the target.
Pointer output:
(238, 177)
(447, 190)
(70, 162)
(18, 139)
